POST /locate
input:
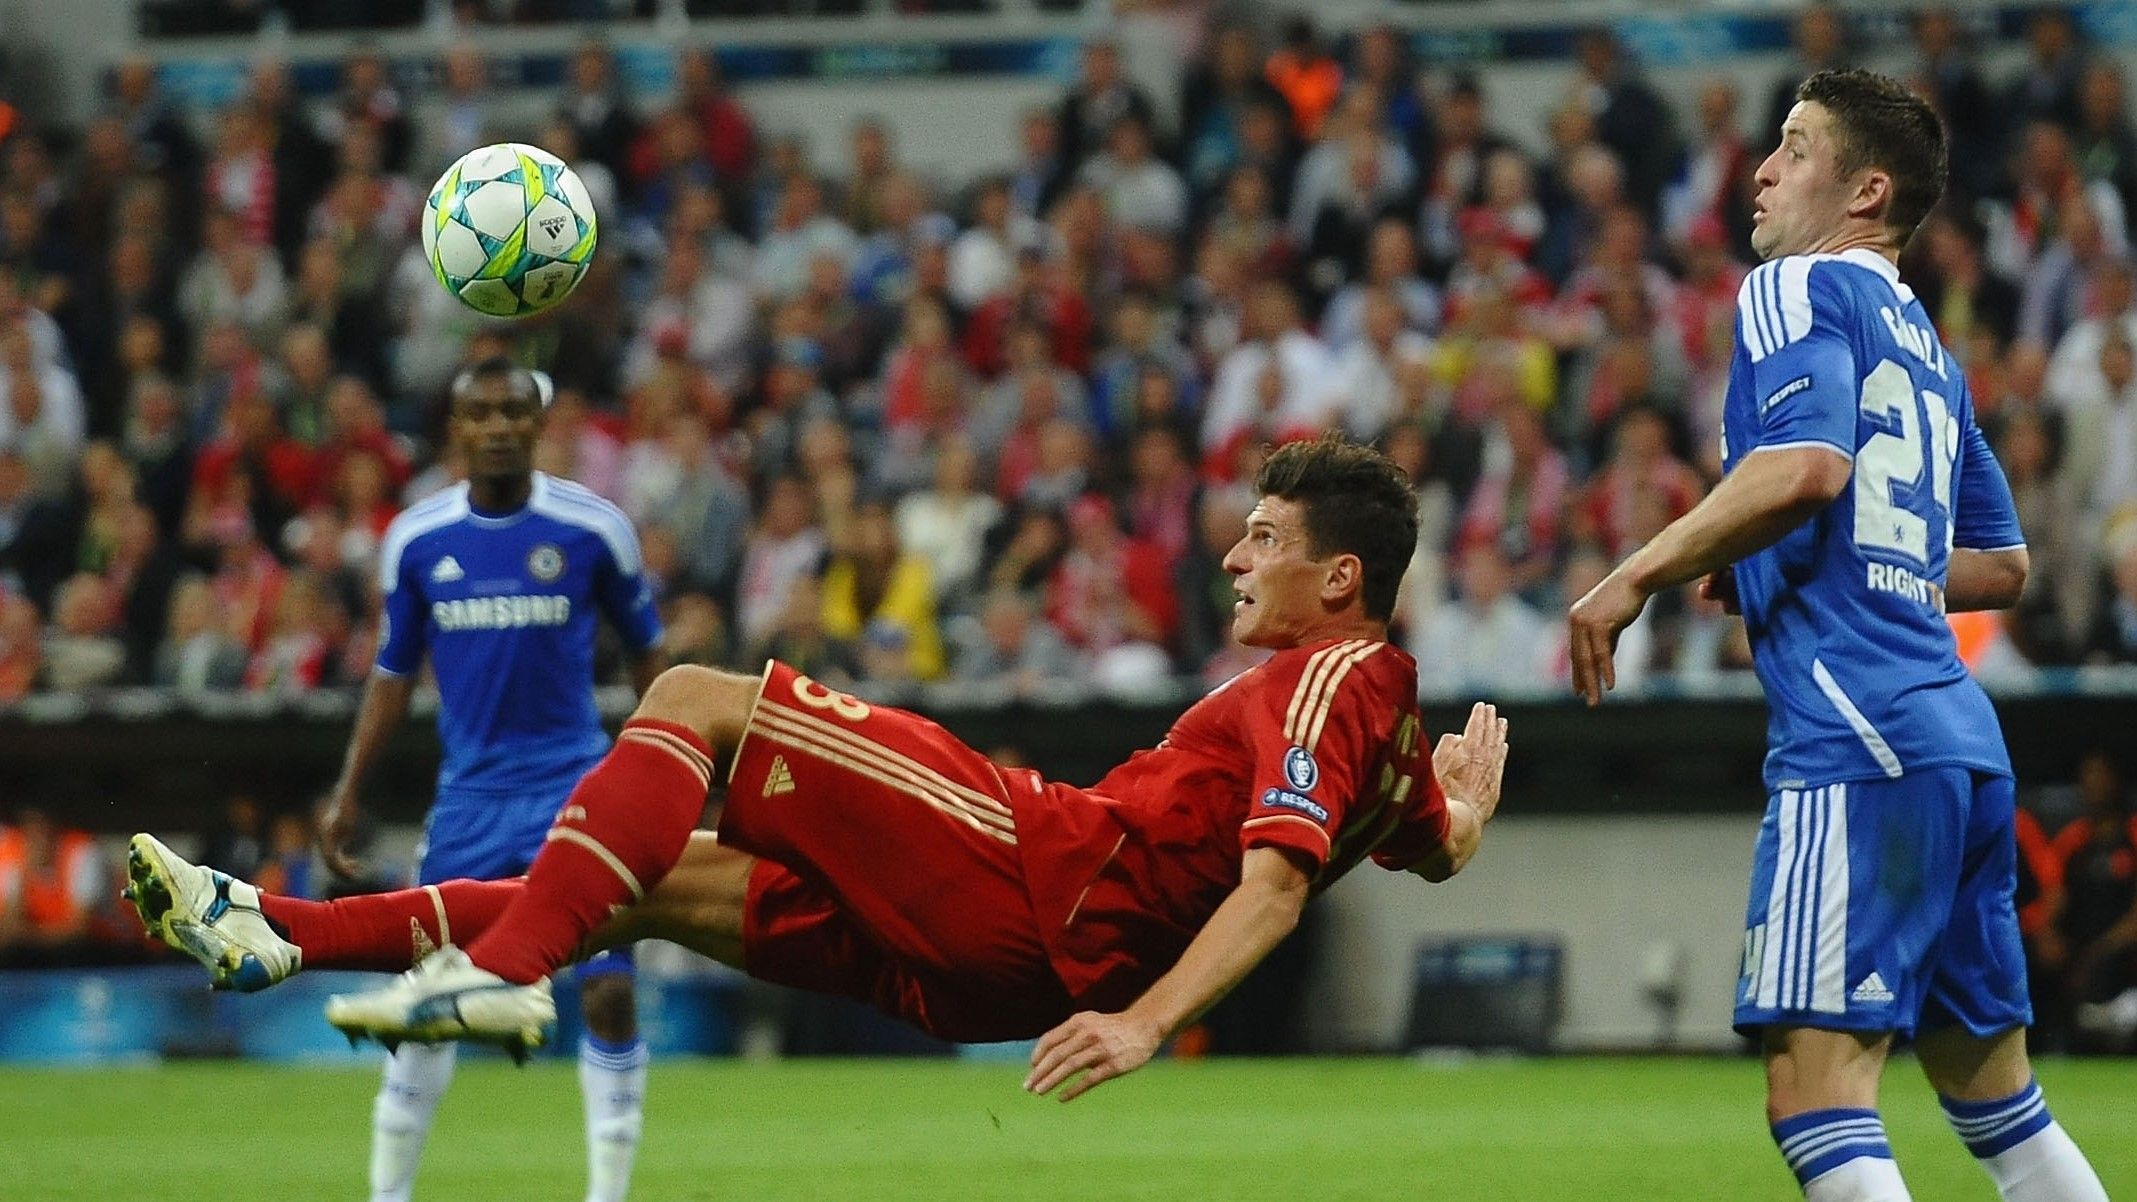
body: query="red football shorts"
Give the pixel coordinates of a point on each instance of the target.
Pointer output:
(888, 866)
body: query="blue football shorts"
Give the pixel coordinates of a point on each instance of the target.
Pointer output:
(1886, 905)
(490, 836)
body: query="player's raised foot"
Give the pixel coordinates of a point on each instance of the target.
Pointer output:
(446, 997)
(211, 916)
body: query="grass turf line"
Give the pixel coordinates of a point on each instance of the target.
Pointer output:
(1569, 1129)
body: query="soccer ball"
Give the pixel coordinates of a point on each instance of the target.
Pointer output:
(509, 229)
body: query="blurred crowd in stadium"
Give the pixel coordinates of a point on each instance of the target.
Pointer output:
(895, 428)
(1000, 431)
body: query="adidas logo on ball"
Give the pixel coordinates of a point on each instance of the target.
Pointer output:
(509, 229)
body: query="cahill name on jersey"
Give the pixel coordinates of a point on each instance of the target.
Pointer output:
(1846, 612)
(505, 606)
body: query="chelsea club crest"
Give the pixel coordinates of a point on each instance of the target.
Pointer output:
(545, 562)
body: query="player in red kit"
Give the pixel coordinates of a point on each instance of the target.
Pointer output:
(865, 851)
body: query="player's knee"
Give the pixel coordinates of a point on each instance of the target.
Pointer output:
(610, 1005)
(1975, 1068)
(713, 703)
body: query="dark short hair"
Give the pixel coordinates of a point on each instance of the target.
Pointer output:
(491, 367)
(1879, 123)
(1356, 502)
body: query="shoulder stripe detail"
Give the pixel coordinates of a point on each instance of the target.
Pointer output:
(420, 519)
(1753, 310)
(578, 506)
(1794, 287)
(1327, 699)
(1304, 686)
(1774, 305)
(1309, 682)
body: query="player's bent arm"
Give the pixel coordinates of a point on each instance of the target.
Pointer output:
(1985, 579)
(1245, 928)
(1465, 833)
(384, 708)
(1769, 494)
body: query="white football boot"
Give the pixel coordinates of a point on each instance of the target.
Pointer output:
(447, 997)
(211, 916)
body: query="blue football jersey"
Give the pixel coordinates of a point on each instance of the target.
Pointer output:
(1846, 612)
(505, 605)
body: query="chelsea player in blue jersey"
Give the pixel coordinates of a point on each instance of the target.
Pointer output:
(1861, 504)
(501, 580)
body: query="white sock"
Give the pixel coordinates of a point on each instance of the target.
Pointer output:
(612, 1077)
(1863, 1179)
(1840, 1155)
(2024, 1150)
(416, 1077)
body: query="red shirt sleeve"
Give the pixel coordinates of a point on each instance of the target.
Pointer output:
(1423, 829)
(1310, 742)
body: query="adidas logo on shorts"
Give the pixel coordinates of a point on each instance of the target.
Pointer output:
(779, 779)
(1872, 991)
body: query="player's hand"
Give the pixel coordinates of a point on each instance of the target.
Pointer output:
(1721, 587)
(337, 827)
(1100, 1046)
(1592, 629)
(1471, 765)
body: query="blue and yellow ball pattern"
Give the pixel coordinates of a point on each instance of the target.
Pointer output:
(509, 229)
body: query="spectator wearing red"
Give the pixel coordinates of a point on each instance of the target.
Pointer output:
(1704, 311)
(1110, 589)
(1039, 294)
(300, 645)
(1641, 489)
(730, 134)
(240, 179)
(356, 425)
(1163, 494)
(282, 472)
(1519, 502)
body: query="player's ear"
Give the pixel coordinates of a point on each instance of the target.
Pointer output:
(1873, 194)
(1346, 575)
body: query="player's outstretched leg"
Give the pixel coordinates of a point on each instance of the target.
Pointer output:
(1821, 1104)
(1995, 1105)
(255, 938)
(624, 827)
(211, 916)
(447, 997)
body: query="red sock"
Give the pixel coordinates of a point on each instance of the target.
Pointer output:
(625, 826)
(389, 932)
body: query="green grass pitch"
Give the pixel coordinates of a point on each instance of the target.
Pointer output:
(1544, 1130)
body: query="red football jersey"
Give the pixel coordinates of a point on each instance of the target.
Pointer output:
(1319, 751)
